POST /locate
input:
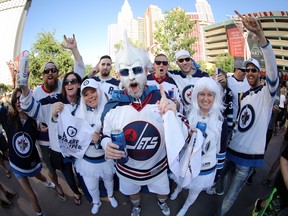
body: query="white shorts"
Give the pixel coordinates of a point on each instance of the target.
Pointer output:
(160, 186)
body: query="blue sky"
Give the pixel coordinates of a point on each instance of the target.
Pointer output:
(89, 19)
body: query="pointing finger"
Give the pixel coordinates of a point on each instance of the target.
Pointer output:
(239, 14)
(163, 94)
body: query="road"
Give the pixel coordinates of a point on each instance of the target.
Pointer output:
(205, 205)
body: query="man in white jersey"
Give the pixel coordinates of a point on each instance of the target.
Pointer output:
(135, 111)
(160, 77)
(186, 77)
(238, 84)
(108, 83)
(52, 85)
(246, 149)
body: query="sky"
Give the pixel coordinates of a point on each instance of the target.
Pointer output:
(89, 19)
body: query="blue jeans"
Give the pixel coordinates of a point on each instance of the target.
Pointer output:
(238, 180)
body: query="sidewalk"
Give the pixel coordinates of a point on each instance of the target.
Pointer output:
(205, 205)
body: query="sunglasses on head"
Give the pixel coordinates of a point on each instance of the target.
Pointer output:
(136, 70)
(164, 63)
(72, 81)
(53, 70)
(184, 59)
(254, 70)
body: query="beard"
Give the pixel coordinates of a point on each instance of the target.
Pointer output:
(51, 86)
(141, 84)
(105, 73)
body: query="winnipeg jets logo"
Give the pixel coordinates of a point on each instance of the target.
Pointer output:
(246, 118)
(187, 94)
(22, 144)
(142, 140)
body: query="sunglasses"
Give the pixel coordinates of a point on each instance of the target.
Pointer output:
(164, 63)
(242, 69)
(72, 82)
(136, 70)
(182, 60)
(53, 70)
(254, 70)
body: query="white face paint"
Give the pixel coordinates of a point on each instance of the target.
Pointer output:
(133, 83)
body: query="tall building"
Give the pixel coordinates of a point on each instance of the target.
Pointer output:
(126, 23)
(204, 11)
(151, 15)
(12, 20)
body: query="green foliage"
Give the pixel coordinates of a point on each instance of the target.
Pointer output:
(225, 62)
(5, 88)
(46, 48)
(174, 33)
(89, 67)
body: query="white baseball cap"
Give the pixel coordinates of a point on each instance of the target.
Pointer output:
(251, 61)
(182, 53)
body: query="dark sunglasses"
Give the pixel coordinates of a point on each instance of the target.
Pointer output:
(53, 70)
(165, 63)
(254, 70)
(18, 98)
(136, 70)
(242, 69)
(73, 82)
(182, 60)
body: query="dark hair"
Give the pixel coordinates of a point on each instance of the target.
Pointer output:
(79, 79)
(13, 115)
(105, 56)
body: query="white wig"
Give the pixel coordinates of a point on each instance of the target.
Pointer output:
(215, 117)
(129, 54)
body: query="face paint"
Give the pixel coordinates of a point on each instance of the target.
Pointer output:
(134, 83)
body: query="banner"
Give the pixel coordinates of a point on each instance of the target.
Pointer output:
(74, 134)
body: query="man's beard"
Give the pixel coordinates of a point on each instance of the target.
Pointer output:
(53, 86)
(105, 73)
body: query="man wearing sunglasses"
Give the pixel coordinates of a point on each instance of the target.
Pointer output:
(186, 77)
(238, 84)
(246, 149)
(51, 86)
(135, 110)
(160, 77)
(108, 83)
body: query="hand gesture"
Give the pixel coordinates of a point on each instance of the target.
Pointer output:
(253, 25)
(70, 43)
(165, 104)
(94, 71)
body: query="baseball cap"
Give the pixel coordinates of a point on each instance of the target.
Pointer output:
(50, 63)
(92, 83)
(252, 61)
(238, 64)
(182, 53)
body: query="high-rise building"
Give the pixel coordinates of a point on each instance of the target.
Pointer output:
(151, 15)
(126, 23)
(204, 11)
(12, 20)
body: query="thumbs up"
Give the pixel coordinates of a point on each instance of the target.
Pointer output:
(165, 104)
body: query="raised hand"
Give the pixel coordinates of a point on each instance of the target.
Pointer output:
(70, 43)
(253, 25)
(166, 104)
